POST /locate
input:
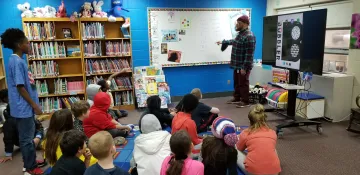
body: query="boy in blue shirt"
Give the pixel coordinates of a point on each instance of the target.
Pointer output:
(23, 98)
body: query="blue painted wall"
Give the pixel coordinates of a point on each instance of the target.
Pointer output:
(181, 79)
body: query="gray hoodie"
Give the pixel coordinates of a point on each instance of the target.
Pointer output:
(91, 91)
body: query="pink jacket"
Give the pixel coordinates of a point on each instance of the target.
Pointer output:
(191, 167)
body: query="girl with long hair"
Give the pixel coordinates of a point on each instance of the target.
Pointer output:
(60, 122)
(180, 163)
(260, 141)
(154, 107)
(218, 153)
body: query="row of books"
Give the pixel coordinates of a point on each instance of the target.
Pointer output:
(61, 86)
(105, 66)
(93, 80)
(118, 48)
(92, 49)
(120, 83)
(44, 68)
(39, 31)
(47, 50)
(124, 98)
(52, 104)
(92, 30)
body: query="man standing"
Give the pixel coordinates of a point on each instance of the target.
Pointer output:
(243, 47)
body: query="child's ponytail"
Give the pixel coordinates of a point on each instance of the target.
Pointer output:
(180, 144)
(257, 118)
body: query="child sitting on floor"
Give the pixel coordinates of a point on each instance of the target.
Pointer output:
(72, 146)
(154, 107)
(218, 153)
(80, 110)
(151, 146)
(100, 120)
(180, 163)
(60, 122)
(203, 115)
(260, 141)
(183, 121)
(103, 148)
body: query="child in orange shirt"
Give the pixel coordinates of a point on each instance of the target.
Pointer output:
(183, 121)
(260, 141)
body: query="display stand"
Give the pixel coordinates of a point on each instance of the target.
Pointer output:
(292, 89)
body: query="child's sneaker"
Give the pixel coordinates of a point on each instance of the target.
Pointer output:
(36, 171)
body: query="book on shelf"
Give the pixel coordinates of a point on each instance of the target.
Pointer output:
(125, 32)
(44, 69)
(92, 49)
(61, 86)
(118, 48)
(73, 51)
(124, 98)
(93, 30)
(40, 31)
(52, 104)
(47, 50)
(120, 83)
(105, 66)
(94, 80)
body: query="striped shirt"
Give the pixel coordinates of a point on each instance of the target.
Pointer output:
(243, 48)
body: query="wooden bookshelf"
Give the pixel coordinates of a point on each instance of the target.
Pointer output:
(113, 33)
(2, 70)
(70, 67)
(73, 68)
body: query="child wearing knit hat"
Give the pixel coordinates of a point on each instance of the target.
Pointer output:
(218, 153)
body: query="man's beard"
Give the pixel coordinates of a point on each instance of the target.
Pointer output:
(238, 29)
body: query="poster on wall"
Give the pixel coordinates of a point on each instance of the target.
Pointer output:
(289, 41)
(355, 31)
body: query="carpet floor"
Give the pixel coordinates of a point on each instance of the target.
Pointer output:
(302, 151)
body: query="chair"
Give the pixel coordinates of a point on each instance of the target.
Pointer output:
(355, 117)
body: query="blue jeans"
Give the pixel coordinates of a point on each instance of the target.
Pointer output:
(26, 129)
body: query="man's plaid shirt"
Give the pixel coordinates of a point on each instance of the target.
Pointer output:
(243, 48)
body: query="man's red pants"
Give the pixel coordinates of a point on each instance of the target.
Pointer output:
(241, 86)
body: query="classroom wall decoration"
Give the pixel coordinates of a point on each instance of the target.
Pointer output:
(187, 37)
(355, 31)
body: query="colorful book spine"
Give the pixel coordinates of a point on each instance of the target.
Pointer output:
(52, 104)
(92, 30)
(44, 69)
(105, 66)
(118, 48)
(124, 98)
(92, 49)
(45, 50)
(40, 31)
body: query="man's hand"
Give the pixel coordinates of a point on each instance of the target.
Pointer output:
(243, 72)
(36, 141)
(219, 42)
(5, 159)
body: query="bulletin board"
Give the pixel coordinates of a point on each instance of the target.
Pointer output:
(187, 37)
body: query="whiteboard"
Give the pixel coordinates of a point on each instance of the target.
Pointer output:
(187, 37)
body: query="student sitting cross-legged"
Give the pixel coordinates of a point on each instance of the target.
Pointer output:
(183, 121)
(154, 107)
(72, 146)
(203, 115)
(151, 146)
(103, 148)
(100, 120)
(60, 122)
(81, 111)
(260, 141)
(180, 162)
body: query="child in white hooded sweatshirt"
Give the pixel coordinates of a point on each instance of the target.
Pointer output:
(152, 146)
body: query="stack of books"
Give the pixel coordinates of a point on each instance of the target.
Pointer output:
(124, 98)
(52, 104)
(92, 30)
(118, 48)
(40, 31)
(120, 83)
(105, 66)
(92, 49)
(75, 87)
(44, 69)
(47, 50)
(42, 87)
